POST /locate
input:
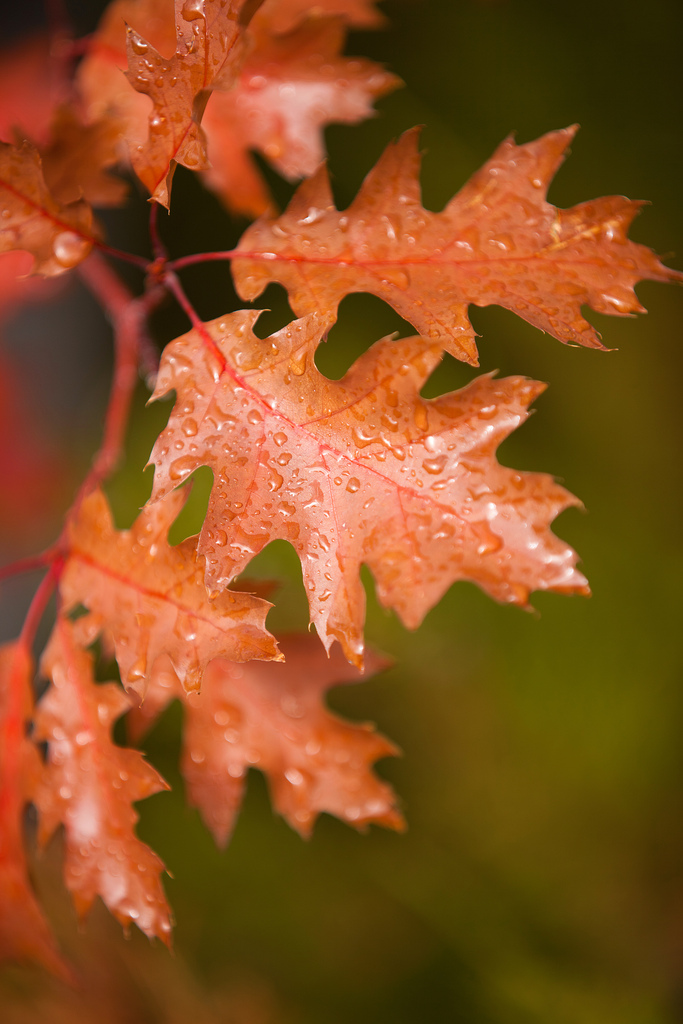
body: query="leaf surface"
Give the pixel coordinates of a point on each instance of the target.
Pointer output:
(497, 242)
(272, 717)
(24, 933)
(149, 596)
(357, 471)
(78, 156)
(209, 51)
(58, 236)
(90, 785)
(289, 89)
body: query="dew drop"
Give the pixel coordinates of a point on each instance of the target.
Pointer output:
(69, 248)
(434, 466)
(353, 485)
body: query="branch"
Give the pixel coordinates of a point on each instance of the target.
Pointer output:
(128, 316)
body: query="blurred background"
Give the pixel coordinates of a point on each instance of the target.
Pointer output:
(541, 878)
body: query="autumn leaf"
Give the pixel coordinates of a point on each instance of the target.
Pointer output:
(498, 241)
(209, 51)
(272, 717)
(78, 156)
(58, 236)
(24, 933)
(357, 471)
(149, 596)
(289, 88)
(89, 786)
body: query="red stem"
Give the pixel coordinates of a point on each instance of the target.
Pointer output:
(128, 316)
(174, 286)
(206, 257)
(26, 564)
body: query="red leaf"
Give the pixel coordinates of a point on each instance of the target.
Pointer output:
(289, 89)
(58, 236)
(209, 50)
(497, 242)
(24, 933)
(150, 598)
(90, 786)
(357, 471)
(272, 717)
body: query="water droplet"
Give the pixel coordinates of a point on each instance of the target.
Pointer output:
(435, 465)
(297, 362)
(138, 45)
(69, 248)
(280, 439)
(254, 416)
(189, 427)
(353, 485)
(182, 467)
(193, 9)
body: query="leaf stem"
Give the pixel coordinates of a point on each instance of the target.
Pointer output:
(128, 315)
(174, 286)
(205, 257)
(26, 564)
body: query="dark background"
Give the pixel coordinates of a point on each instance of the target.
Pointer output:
(541, 879)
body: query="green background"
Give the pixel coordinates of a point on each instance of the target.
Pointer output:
(541, 878)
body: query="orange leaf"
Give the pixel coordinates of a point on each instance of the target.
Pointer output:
(24, 932)
(58, 236)
(498, 242)
(90, 785)
(290, 87)
(149, 596)
(287, 90)
(209, 50)
(272, 717)
(357, 471)
(77, 157)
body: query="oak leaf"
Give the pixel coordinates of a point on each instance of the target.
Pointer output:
(498, 241)
(89, 786)
(58, 236)
(208, 55)
(289, 88)
(272, 717)
(357, 471)
(78, 156)
(24, 933)
(149, 597)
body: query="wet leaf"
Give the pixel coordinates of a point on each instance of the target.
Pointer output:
(58, 235)
(272, 717)
(497, 242)
(149, 597)
(357, 471)
(90, 785)
(24, 933)
(289, 89)
(78, 156)
(209, 51)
